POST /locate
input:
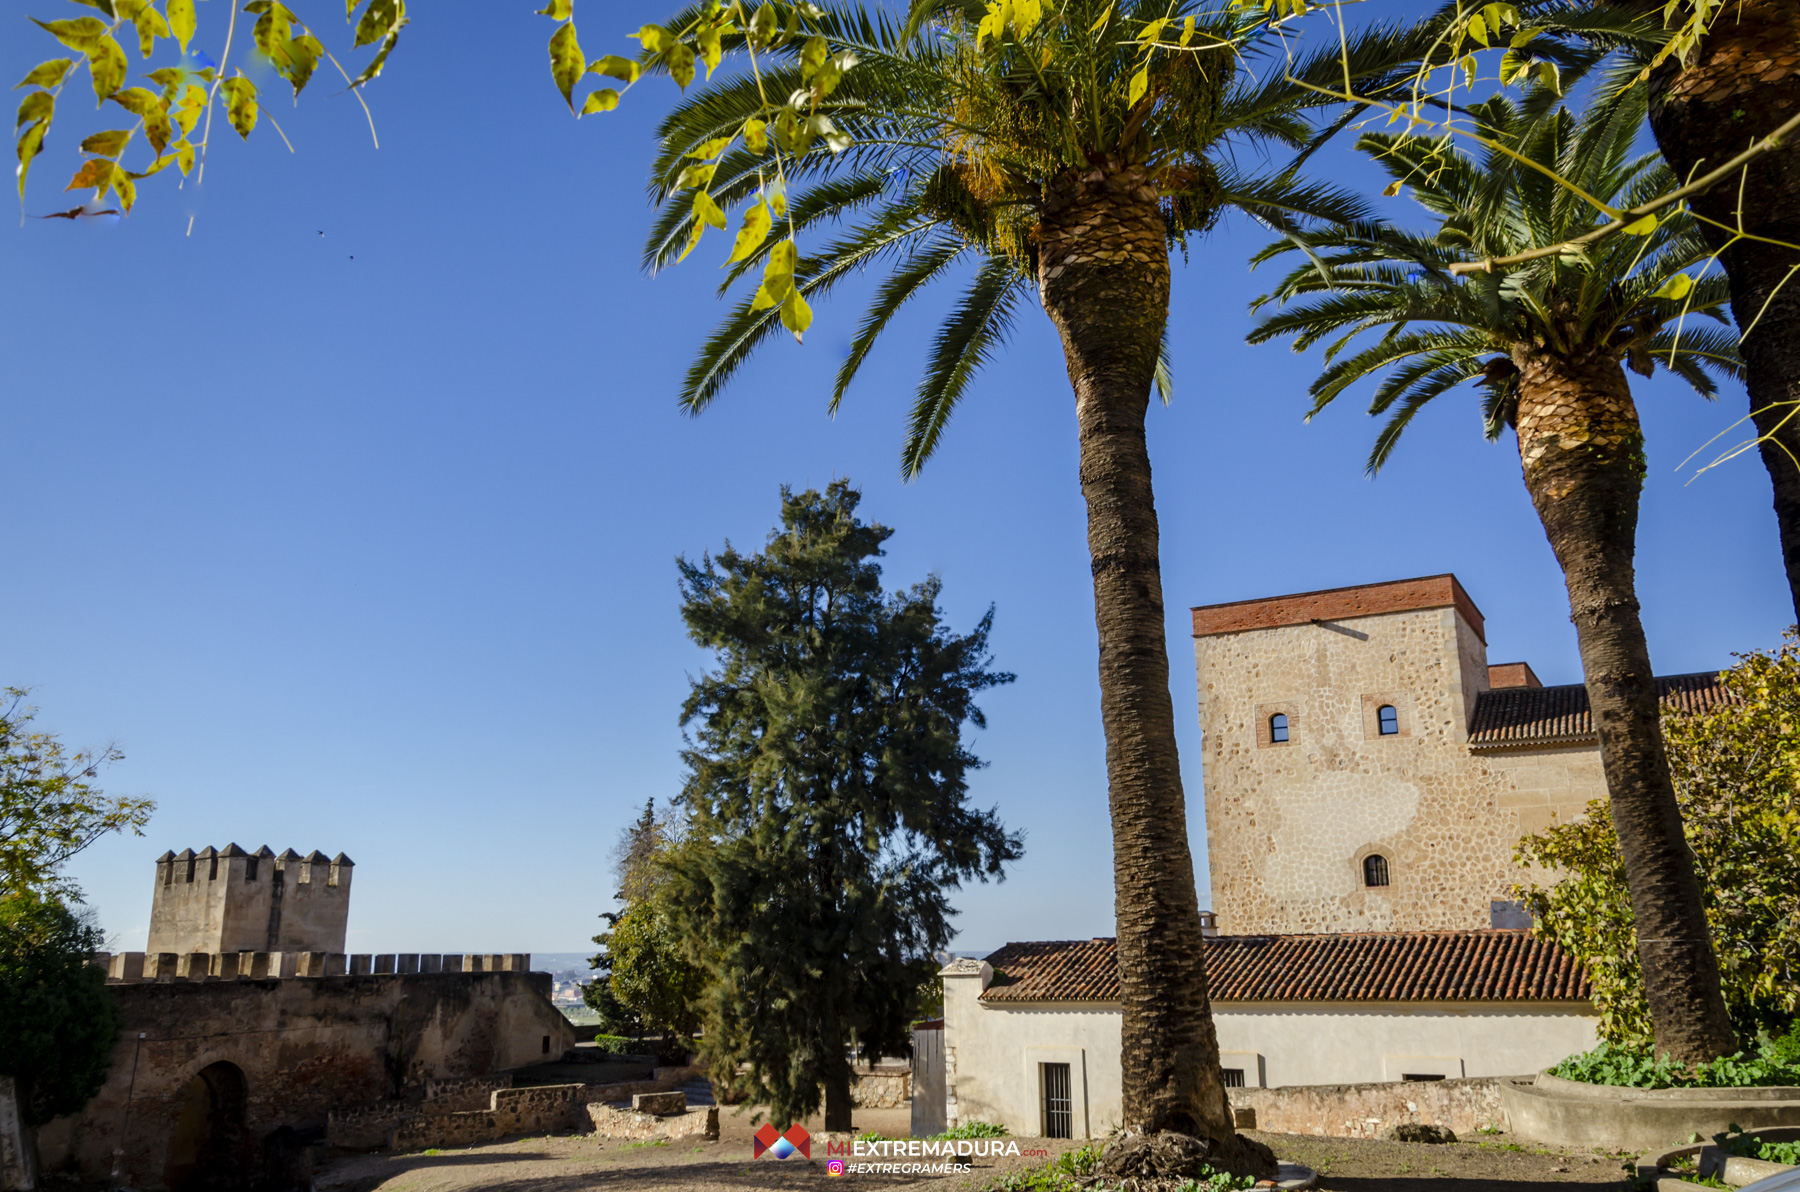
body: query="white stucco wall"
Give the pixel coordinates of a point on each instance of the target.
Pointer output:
(993, 1049)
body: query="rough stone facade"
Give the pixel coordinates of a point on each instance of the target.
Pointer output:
(536, 1109)
(215, 1081)
(1291, 824)
(231, 901)
(617, 1121)
(1371, 1110)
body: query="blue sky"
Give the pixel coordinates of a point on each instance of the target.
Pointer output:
(351, 516)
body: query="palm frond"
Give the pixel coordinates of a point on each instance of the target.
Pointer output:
(967, 340)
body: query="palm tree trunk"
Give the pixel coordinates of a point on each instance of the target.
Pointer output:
(1582, 451)
(1103, 274)
(1743, 81)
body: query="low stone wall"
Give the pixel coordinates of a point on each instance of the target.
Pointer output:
(456, 1094)
(1370, 1110)
(534, 1109)
(882, 1089)
(618, 1121)
(365, 1127)
(1569, 1113)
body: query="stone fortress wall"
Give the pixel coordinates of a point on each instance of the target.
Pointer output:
(1290, 824)
(229, 900)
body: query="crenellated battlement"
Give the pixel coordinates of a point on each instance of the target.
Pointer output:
(127, 968)
(228, 901)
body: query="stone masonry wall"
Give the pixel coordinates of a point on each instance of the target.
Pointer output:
(1288, 825)
(1370, 1110)
(537, 1109)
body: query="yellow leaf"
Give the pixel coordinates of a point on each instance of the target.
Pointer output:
(707, 150)
(796, 316)
(1640, 227)
(106, 65)
(603, 100)
(96, 173)
(756, 136)
(615, 67)
(184, 156)
(558, 10)
(757, 221)
(110, 143)
(47, 74)
(707, 210)
(711, 51)
(1677, 287)
(1187, 30)
(240, 104)
(1140, 83)
(566, 62)
(1101, 23)
(1393, 188)
(193, 102)
(1152, 32)
(1478, 29)
(653, 37)
(30, 145)
(181, 22)
(1026, 15)
(679, 58)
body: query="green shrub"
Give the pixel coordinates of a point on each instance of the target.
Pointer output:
(615, 1044)
(1073, 1171)
(1775, 1062)
(973, 1130)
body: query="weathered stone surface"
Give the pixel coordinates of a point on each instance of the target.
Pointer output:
(1371, 1110)
(660, 1104)
(1568, 1113)
(17, 1169)
(297, 1050)
(881, 1089)
(616, 1121)
(454, 1094)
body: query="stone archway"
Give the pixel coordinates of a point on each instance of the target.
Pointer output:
(210, 1150)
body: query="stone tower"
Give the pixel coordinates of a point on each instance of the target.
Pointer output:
(1341, 792)
(232, 901)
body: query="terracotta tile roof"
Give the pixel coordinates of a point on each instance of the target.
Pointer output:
(1339, 604)
(1406, 966)
(1560, 715)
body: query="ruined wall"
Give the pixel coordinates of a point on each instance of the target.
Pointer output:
(303, 1047)
(1289, 825)
(1370, 1110)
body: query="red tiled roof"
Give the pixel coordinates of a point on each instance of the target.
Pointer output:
(1560, 715)
(1339, 604)
(1405, 966)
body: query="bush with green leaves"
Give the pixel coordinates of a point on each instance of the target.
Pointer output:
(974, 1130)
(58, 1023)
(1736, 769)
(1074, 1171)
(1775, 1062)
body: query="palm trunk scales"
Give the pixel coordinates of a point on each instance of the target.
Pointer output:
(1743, 82)
(1582, 451)
(1103, 274)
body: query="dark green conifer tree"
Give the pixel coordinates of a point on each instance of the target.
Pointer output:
(827, 802)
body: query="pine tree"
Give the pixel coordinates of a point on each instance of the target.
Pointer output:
(826, 800)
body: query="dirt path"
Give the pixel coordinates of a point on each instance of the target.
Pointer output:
(567, 1163)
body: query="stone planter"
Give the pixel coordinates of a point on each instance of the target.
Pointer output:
(1561, 1112)
(1665, 1171)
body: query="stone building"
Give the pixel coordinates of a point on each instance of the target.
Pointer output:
(1367, 768)
(1031, 1036)
(232, 1056)
(223, 901)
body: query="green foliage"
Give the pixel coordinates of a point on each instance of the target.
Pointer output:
(1737, 777)
(1772, 1064)
(646, 983)
(826, 799)
(49, 811)
(278, 39)
(973, 1130)
(1439, 331)
(615, 1044)
(1073, 1171)
(930, 144)
(58, 1023)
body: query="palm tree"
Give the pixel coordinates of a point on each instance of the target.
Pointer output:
(1741, 82)
(1549, 345)
(1063, 157)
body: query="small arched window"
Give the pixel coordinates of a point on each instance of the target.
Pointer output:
(1375, 870)
(1278, 729)
(1389, 719)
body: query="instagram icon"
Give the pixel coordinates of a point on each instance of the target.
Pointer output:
(834, 1167)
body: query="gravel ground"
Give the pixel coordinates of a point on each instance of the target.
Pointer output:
(570, 1162)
